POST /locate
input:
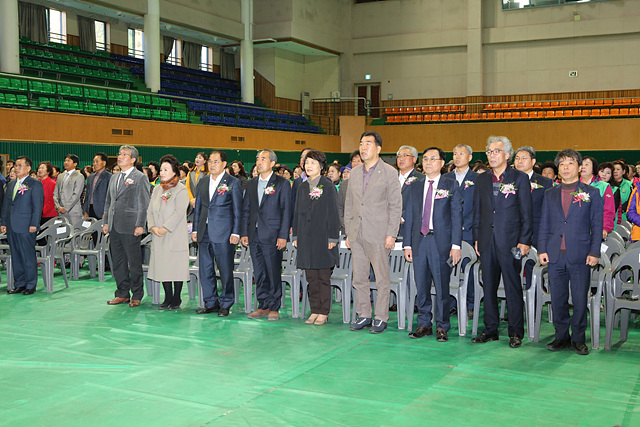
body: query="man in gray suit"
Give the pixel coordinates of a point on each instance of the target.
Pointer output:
(68, 191)
(372, 212)
(125, 215)
(97, 185)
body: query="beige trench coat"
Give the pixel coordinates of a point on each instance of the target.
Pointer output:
(170, 253)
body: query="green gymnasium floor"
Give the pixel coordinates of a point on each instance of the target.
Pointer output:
(69, 359)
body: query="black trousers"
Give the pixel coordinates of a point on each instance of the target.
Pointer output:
(319, 290)
(127, 264)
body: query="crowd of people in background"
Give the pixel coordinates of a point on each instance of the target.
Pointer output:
(499, 206)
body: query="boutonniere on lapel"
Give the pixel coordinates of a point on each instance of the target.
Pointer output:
(222, 188)
(441, 194)
(580, 196)
(22, 188)
(535, 185)
(315, 192)
(128, 181)
(165, 196)
(409, 180)
(270, 189)
(507, 189)
(468, 184)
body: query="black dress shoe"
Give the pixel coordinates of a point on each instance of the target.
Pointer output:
(421, 332)
(29, 292)
(223, 312)
(207, 310)
(394, 307)
(483, 338)
(558, 345)
(17, 290)
(515, 341)
(441, 335)
(163, 306)
(453, 311)
(580, 348)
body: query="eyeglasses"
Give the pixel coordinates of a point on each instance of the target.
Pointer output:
(430, 159)
(494, 152)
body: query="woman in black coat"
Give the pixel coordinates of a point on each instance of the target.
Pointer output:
(316, 233)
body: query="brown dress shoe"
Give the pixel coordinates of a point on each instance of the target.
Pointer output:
(273, 316)
(258, 314)
(134, 303)
(117, 300)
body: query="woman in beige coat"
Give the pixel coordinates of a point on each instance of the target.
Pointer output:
(167, 220)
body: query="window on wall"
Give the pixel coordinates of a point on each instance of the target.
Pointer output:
(175, 57)
(136, 43)
(57, 23)
(206, 59)
(520, 4)
(102, 36)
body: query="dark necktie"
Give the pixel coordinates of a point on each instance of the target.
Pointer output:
(426, 213)
(120, 181)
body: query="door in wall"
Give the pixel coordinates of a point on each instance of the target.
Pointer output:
(371, 93)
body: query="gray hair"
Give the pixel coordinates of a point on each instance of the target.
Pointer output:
(413, 150)
(506, 144)
(272, 154)
(466, 147)
(528, 149)
(133, 151)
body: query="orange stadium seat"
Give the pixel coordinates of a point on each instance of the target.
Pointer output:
(571, 104)
(635, 101)
(546, 105)
(559, 113)
(607, 102)
(491, 116)
(614, 112)
(498, 116)
(604, 112)
(567, 113)
(598, 102)
(524, 115)
(624, 111)
(426, 117)
(633, 111)
(475, 116)
(506, 115)
(594, 113)
(590, 102)
(580, 103)
(537, 105)
(533, 114)
(554, 104)
(528, 105)
(562, 104)
(466, 116)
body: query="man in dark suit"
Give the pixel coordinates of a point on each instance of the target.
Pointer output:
(502, 228)
(21, 212)
(433, 233)
(97, 185)
(406, 159)
(266, 219)
(218, 214)
(462, 156)
(569, 240)
(125, 216)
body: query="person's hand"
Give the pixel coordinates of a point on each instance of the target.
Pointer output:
(347, 243)
(523, 248)
(85, 215)
(281, 243)
(192, 202)
(408, 255)
(33, 229)
(331, 245)
(194, 236)
(244, 240)
(234, 239)
(456, 255)
(476, 247)
(105, 229)
(62, 210)
(604, 234)
(138, 231)
(591, 260)
(544, 258)
(295, 244)
(161, 231)
(389, 242)
(3, 229)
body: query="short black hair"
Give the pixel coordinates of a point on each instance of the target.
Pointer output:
(549, 164)
(102, 156)
(439, 150)
(355, 153)
(223, 155)
(570, 153)
(375, 135)
(320, 157)
(73, 158)
(155, 165)
(27, 160)
(170, 158)
(594, 163)
(57, 168)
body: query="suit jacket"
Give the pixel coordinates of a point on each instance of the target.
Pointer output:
(272, 217)
(467, 190)
(539, 184)
(126, 208)
(223, 211)
(68, 192)
(582, 227)
(342, 196)
(507, 217)
(25, 210)
(99, 194)
(378, 211)
(447, 215)
(413, 177)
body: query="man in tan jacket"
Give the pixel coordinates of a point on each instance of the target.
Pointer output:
(372, 212)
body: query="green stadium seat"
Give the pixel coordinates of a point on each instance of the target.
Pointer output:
(63, 104)
(38, 52)
(35, 86)
(125, 96)
(22, 101)
(58, 56)
(64, 90)
(31, 51)
(23, 50)
(76, 106)
(102, 108)
(91, 108)
(45, 65)
(17, 84)
(102, 94)
(36, 64)
(76, 91)
(48, 54)
(49, 88)
(45, 103)
(55, 67)
(2, 100)
(5, 83)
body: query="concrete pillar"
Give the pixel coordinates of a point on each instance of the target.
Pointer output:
(152, 45)
(9, 38)
(246, 53)
(474, 48)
